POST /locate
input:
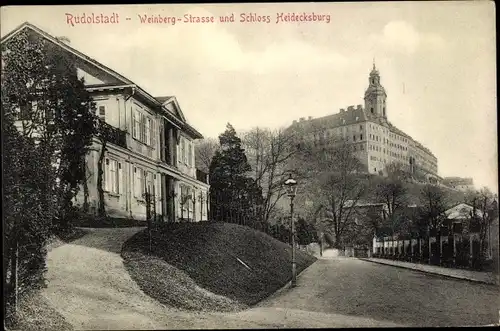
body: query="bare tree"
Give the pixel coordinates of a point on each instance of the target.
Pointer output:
(337, 183)
(484, 210)
(392, 191)
(204, 152)
(269, 153)
(432, 213)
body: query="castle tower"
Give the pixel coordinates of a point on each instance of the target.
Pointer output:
(375, 96)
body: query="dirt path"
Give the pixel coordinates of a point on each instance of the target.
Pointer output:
(89, 285)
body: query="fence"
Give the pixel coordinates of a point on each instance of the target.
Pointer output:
(452, 251)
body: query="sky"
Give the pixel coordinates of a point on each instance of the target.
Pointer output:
(436, 61)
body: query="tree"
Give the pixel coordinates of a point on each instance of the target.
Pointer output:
(432, 212)
(204, 152)
(234, 196)
(269, 152)
(306, 232)
(337, 185)
(47, 130)
(392, 191)
(53, 109)
(484, 211)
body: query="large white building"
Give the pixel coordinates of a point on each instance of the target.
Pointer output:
(152, 148)
(374, 139)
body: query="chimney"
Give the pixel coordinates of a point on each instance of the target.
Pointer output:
(359, 107)
(350, 108)
(310, 118)
(302, 119)
(294, 121)
(342, 110)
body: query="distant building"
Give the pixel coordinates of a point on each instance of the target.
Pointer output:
(459, 183)
(375, 140)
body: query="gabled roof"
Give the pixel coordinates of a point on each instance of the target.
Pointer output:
(120, 80)
(163, 99)
(462, 211)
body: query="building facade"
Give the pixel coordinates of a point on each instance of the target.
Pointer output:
(459, 183)
(151, 149)
(374, 139)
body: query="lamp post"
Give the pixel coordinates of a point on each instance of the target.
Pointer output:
(291, 187)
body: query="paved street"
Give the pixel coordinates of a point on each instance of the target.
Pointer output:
(384, 293)
(89, 285)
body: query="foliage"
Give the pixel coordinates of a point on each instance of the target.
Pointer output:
(48, 129)
(234, 197)
(305, 231)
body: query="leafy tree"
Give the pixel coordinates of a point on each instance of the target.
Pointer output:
(235, 197)
(306, 232)
(47, 130)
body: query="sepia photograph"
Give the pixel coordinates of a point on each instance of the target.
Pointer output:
(250, 166)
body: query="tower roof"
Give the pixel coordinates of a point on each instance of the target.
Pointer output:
(374, 70)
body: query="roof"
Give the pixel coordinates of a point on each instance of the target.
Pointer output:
(344, 117)
(461, 211)
(79, 55)
(163, 99)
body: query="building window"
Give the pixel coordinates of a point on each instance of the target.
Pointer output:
(139, 182)
(102, 112)
(142, 127)
(354, 138)
(190, 153)
(371, 109)
(361, 137)
(360, 128)
(112, 176)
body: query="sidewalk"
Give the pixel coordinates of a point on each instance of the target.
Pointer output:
(475, 276)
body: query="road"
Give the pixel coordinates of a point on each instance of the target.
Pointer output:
(352, 287)
(89, 285)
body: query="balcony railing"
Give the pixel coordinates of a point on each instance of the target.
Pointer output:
(201, 176)
(113, 135)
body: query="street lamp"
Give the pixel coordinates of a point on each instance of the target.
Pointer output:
(291, 190)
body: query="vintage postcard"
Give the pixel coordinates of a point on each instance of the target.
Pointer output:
(251, 165)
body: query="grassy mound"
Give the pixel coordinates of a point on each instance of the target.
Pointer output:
(210, 266)
(36, 314)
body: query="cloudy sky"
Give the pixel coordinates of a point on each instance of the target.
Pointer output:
(436, 60)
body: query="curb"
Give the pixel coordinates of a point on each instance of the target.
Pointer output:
(432, 272)
(283, 288)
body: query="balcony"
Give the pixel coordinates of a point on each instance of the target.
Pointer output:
(113, 135)
(201, 176)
